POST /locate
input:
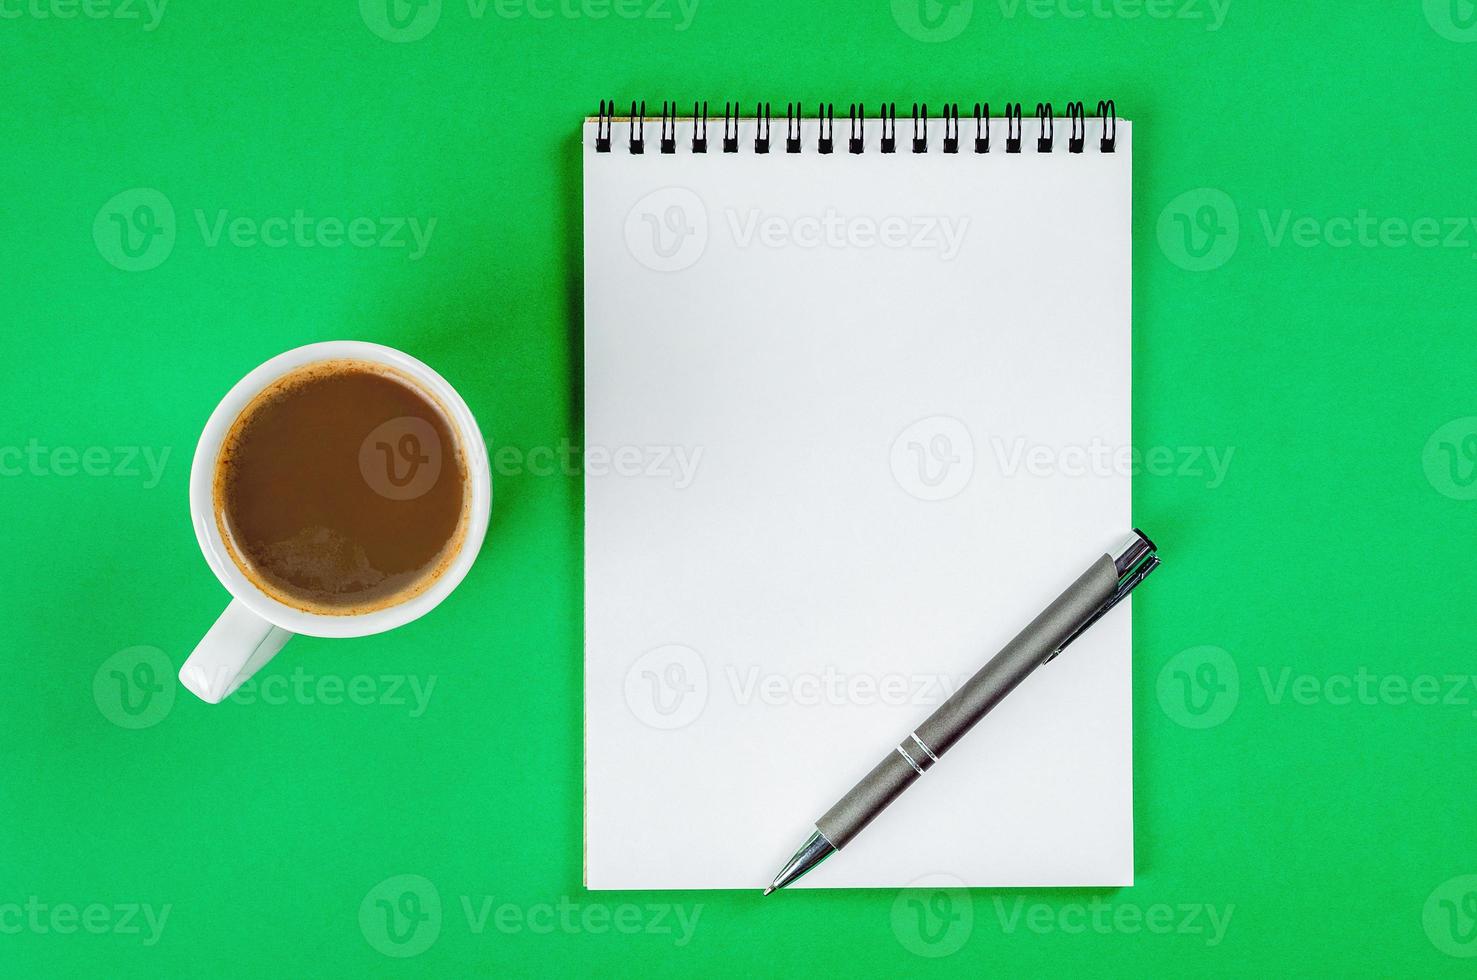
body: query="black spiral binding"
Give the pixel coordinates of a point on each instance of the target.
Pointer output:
(1107, 111)
(1109, 141)
(668, 140)
(792, 127)
(1012, 127)
(730, 139)
(982, 128)
(1046, 127)
(699, 129)
(889, 127)
(603, 124)
(1076, 127)
(638, 129)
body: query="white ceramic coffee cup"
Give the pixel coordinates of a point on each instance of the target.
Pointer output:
(255, 625)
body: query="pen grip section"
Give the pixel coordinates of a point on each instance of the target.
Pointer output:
(878, 788)
(1030, 648)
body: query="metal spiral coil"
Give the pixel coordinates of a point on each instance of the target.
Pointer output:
(795, 139)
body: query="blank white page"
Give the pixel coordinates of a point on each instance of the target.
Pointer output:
(851, 421)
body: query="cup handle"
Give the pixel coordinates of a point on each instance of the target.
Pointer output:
(237, 646)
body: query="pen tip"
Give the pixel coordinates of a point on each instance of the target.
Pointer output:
(769, 889)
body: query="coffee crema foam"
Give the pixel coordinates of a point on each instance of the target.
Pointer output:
(342, 488)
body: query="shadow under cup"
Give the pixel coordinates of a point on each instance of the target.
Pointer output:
(342, 488)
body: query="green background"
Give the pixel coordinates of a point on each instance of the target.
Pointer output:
(1339, 540)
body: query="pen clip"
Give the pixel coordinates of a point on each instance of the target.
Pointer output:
(1134, 562)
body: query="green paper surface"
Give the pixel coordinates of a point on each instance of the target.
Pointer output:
(410, 803)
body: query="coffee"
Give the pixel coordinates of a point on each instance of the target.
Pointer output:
(342, 488)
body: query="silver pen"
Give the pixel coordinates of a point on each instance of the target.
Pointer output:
(1097, 590)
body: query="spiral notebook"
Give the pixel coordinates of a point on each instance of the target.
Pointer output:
(856, 409)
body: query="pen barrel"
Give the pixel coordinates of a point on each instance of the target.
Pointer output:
(1030, 648)
(917, 753)
(856, 809)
